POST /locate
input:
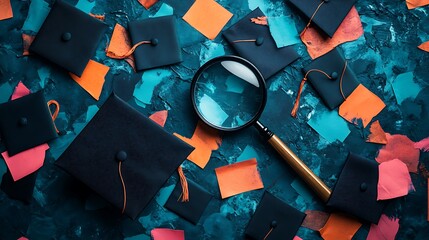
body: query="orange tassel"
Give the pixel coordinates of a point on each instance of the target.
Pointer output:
(301, 86)
(131, 51)
(184, 183)
(123, 187)
(298, 97)
(57, 111)
(311, 19)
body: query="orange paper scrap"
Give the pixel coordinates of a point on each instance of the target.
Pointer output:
(340, 226)
(204, 140)
(147, 3)
(160, 117)
(5, 9)
(424, 46)
(411, 4)
(208, 17)
(361, 104)
(92, 78)
(238, 178)
(27, 40)
(377, 134)
(119, 45)
(349, 30)
(400, 147)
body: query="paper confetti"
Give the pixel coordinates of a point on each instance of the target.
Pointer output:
(386, 229)
(37, 14)
(349, 30)
(238, 178)
(143, 91)
(377, 134)
(204, 140)
(167, 234)
(361, 104)
(92, 79)
(20, 91)
(119, 45)
(260, 20)
(422, 145)
(147, 3)
(329, 125)
(339, 226)
(394, 180)
(6, 10)
(26, 162)
(27, 40)
(164, 10)
(405, 87)
(315, 220)
(208, 17)
(424, 46)
(160, 117)
(283, 30)
(411, 4)
(400, 147)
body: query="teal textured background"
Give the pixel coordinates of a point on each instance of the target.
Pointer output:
(63, 208)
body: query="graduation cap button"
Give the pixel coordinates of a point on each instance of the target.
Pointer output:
(23, 121)
(66, 36)
(273, 224)
(154, 41)
(334, 75)
(121, 156)
(259, 41)
(363, 187)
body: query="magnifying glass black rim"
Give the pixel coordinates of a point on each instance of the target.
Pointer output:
(245, 63)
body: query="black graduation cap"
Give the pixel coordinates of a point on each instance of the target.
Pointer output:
(124, 156)
(255, 43)
(68, 37)
(25, 123)
(194, 208)
(356, 189)
(274, 220)
(328, 16)
(329, 88)
(161, 45)
(20, 190)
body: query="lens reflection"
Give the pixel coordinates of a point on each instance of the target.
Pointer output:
(228, 94)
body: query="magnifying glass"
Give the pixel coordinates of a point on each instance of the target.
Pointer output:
(229, 94)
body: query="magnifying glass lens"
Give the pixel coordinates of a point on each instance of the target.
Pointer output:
(228, 95)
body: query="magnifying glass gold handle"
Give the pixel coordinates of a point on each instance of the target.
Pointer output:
(297, 165)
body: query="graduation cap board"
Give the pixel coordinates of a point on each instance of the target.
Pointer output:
(22, 189)
(356, 189)
(124, 156)
(68, 37)
(157, 42)
(331, 77)
(325, 14)
(192, 209)
(25, 123)
(255, 43)
(274, 220)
